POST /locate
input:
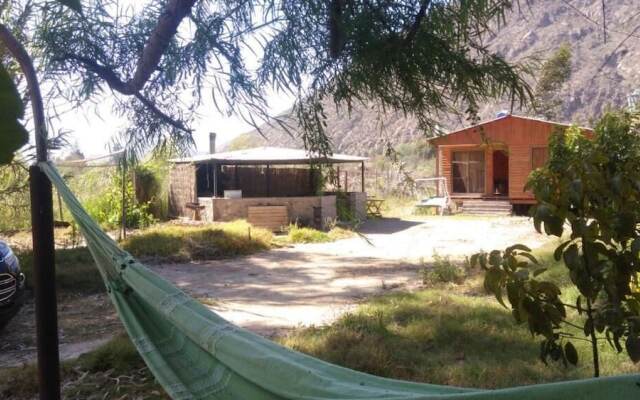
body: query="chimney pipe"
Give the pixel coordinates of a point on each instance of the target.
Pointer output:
(212, 142)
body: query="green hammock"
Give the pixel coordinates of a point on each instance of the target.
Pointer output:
(196, 354)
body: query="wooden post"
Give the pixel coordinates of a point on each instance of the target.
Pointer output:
(338, 175)
(236, 179)
(268, 173)
(124, 198)
(215, 180)
(362, 176)
(346, 181)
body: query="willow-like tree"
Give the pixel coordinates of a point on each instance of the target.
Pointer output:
(158, 60)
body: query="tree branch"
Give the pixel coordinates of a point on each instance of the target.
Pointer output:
(166, 28)
(35, 96)
(165, 117)
(413, 31)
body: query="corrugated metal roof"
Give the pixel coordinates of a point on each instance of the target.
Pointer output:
(269, 155)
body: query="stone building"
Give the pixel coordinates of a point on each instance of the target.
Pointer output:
(268, 186)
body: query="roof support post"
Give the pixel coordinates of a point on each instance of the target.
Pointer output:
(268, 173)
(362, 176)
(215, 180)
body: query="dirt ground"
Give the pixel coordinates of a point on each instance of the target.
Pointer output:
(314, 283)
(281, 289)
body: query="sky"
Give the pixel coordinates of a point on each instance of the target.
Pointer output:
(91, 127)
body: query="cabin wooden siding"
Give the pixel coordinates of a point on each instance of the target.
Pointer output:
(517, 136)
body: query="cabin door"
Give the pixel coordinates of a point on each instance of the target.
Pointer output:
(468, 172)
(500, 173)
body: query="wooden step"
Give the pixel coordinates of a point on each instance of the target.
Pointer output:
(487, 207)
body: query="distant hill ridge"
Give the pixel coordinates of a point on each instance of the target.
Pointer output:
(603, 74)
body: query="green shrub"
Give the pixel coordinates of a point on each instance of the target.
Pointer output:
(184, 243)
(442, 271)
(106, 209)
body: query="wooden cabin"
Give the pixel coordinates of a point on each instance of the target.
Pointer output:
(489, 163)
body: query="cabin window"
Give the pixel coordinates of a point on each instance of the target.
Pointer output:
(539, 157)
(468, 171)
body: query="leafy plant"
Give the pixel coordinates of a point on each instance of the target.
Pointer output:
(590, 185)
(107, 208)
(442, 271)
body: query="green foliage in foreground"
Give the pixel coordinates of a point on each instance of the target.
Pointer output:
(14, 135)
(173, 243)
(591, 186)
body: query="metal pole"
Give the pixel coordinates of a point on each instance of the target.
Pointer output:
(44, 283)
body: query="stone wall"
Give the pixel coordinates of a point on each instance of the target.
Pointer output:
(182, 189)
(300, 209)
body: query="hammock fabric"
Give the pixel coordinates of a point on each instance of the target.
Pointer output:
(196, 354)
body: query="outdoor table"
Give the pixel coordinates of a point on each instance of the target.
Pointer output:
(373, 207)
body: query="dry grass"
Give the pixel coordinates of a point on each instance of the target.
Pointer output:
(298, 234)
(113, 371)
(176, 243)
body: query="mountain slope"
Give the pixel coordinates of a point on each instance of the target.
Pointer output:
(603, 73)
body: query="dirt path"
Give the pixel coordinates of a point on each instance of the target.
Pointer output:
(315, 283)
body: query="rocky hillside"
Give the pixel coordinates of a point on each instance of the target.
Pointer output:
(603, 73)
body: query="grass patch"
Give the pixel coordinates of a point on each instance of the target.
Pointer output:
(113, 371)
(174, 243)
(438, 337)
(298, 234)
(75, 270)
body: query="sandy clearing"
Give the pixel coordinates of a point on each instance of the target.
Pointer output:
(312, 284)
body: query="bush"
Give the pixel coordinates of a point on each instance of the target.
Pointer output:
(442, 271)
(184, 243)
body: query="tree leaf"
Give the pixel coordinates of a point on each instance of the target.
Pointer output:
(557, 254)
(12, 134)
(632, 345)
(72, 4)
(571, 353)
